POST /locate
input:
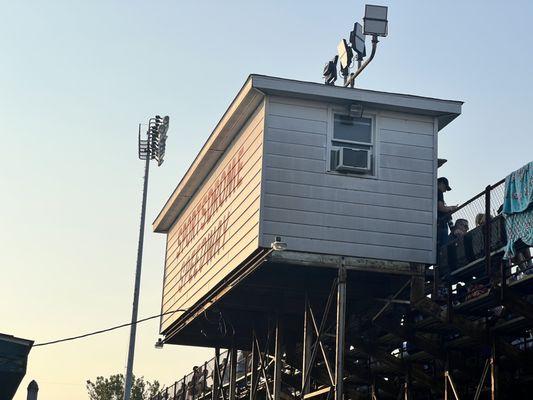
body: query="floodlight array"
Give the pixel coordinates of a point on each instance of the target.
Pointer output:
(375, 25)
(153, 147)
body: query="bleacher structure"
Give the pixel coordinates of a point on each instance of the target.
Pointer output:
(301, 247)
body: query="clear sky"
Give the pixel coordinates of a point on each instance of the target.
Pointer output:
(76, 77)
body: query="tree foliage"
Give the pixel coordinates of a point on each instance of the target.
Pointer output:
(112, 388)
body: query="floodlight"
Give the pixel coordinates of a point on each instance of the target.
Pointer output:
(161, 136)
(345, 55)
(357, 40)
(330, 71)
(375, 20)
(278, 245)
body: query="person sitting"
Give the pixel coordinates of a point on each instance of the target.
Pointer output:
(459, 229)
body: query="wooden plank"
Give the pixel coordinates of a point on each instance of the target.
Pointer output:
(312, 231)
(295, 164)
(176, 294)
(251, 165)
(347, 222)
(408, 164)
(351, 263)
(405, 138)
(210, 282)
(334, 181)
(295, 124)
(343, 208)
(407, 124)
(304, 138)
(401, 150)
(228, 236)
(378, 252)
(232, 211)
(347, 195)
(297, 111)
(398, 175)
(295, 150)
(234, 236)
(234, 222)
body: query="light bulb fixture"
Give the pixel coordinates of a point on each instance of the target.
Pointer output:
(278, 245)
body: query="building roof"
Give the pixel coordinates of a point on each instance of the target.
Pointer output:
(13, 358)
(250, 96)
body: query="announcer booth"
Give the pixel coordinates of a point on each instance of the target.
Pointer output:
(304, 195)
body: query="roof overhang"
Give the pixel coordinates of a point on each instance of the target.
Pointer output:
(13, 360)
(252, 94)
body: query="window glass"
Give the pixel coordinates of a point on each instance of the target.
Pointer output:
(346, 128)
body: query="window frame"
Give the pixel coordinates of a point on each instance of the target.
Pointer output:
(373, 145)
(372, 139)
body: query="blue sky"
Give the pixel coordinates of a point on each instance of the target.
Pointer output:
(77, 77)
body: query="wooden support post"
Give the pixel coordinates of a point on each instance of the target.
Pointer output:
(306, 349)
(408, 383)
(277, 359)
(232, 373)
(446, 368)
(418, 281)
(341, 332)
(373, 393)
(216, 375)
(493, 371)
(254, 374)
(488, 232)
(482, 380)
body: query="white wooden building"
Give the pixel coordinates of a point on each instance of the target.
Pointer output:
(333, 171)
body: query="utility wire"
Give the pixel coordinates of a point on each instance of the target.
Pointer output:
(105, 330)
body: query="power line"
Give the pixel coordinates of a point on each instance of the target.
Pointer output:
(105, 330)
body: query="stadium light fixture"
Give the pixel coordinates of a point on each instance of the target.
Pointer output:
(375, 20)
(150, 148)
(375, 25)
(330, 71)
(278, 245)
(357, 40)
(345, 57)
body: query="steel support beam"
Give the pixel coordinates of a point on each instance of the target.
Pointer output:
(493, 371)
(254, 374)
(277, 359)
(216, 376)
(340, 344)
(232, 373)
(306, 349)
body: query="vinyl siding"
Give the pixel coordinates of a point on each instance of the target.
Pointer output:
(240, 211)
(390, 216)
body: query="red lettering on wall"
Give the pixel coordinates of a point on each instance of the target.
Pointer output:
(217, 194)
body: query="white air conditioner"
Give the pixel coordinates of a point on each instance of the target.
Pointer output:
(348, 159)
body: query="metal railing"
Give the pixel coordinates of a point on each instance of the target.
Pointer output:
(200, 383)
(485, 222)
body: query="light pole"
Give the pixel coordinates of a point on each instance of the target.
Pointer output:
(151, 148)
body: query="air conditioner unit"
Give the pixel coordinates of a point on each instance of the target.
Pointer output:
(348, 159)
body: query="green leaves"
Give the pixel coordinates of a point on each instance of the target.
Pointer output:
(112, 388)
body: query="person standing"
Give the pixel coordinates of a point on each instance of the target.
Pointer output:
(443, 212)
